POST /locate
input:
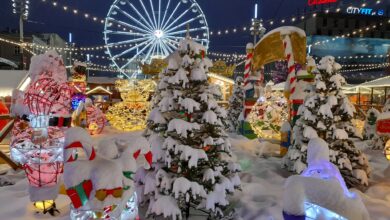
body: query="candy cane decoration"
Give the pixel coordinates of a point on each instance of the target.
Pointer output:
(291, 77)
(248, 62)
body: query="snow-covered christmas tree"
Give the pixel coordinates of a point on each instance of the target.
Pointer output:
(326, 113)
(191, 170)
(236, 105)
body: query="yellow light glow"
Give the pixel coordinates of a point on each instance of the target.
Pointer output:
(387, 150)
(98, 88)
(131, 114)
(44, 205)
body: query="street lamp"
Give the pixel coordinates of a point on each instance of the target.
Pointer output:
(21, 8)
(257, 28)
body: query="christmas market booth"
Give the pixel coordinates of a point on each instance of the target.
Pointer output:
(370, 94)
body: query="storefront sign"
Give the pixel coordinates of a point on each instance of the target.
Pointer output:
(383, 126)
(365, 11)
(320, 2)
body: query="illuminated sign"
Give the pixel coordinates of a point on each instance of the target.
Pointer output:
(365, 11)
(320, 2)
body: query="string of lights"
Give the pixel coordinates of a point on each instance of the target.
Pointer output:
(379, 66)
(353, 33)
(270, 22)
(223, 31)
(375, 56)
(363, 65)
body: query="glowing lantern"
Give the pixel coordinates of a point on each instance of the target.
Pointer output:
(45, 205)
(387, 150)
(38, 139)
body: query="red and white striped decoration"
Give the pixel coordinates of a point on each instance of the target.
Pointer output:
(291, 77)
(248, 63)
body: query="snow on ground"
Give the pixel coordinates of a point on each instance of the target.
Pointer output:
(262, 183)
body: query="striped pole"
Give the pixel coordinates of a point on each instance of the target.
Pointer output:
(291, 81)
(248, 63)
(291, 77)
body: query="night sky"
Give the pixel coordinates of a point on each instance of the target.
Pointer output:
(221, 14)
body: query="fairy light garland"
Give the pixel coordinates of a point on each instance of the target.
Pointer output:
(357, 31)
(224, 31)
(131, 114)
(367, 68)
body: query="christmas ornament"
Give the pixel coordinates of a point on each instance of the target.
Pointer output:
(268, 115)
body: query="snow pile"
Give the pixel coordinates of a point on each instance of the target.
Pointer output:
(182, 127)
(183, 186)
(189, 104)
(167, 207)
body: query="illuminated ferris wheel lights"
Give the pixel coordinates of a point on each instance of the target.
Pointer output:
(152, 27)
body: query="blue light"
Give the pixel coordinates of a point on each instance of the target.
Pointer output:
(313, 211)
(326, 171)
(76, 99)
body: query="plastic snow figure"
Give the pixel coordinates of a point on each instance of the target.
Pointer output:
(37, 138)
(369, 131)
(320, 192)
(100, 184)
(327, 113)
(236, 105)
(191, 172)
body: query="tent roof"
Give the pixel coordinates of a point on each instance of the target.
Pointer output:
(381, 82)
(10, 79)
(279, 86)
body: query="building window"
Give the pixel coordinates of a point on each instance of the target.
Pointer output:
(330, 32)
(357, 24)
(346, 24)
(17, 50)
(336, 23)
(318, 31)
(325, 22)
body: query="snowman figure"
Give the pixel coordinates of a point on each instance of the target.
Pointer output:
(320, 191)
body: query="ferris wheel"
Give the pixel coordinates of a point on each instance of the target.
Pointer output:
(140, 30)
